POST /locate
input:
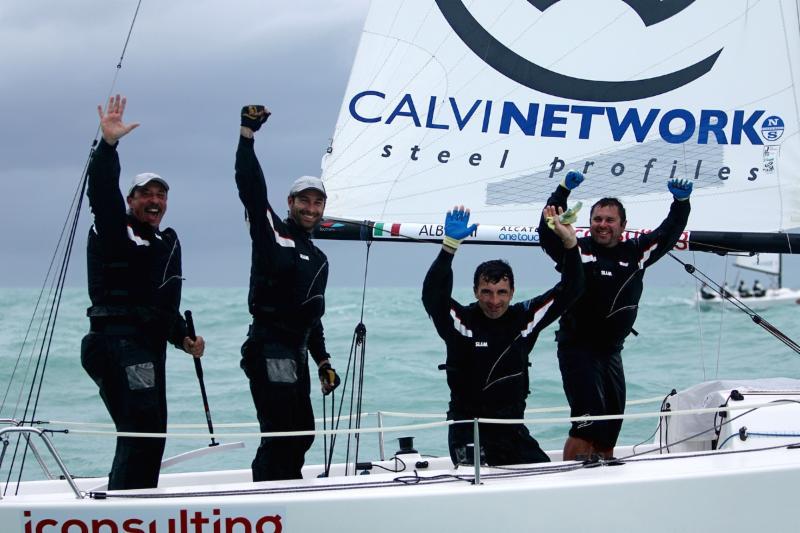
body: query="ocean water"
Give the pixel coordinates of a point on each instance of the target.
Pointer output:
(677, 346)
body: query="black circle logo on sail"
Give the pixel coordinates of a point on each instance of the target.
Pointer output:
(525, 72)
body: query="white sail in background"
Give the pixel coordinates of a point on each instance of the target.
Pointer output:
(631, 93)
(766, 263)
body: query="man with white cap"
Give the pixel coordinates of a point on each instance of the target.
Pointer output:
(134, 271)
(288, 276)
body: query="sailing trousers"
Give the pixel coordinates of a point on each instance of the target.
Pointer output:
(501, 444)
(130, 374)
(281, 390)
(594, 383)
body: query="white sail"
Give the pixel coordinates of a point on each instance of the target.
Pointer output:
(488, 105)
(766, 263)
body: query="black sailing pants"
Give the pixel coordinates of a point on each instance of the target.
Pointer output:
(130, 373)
(281, 390)
(501, 444)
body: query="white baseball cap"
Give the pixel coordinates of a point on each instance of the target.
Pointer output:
(307, 182)
(140, 180)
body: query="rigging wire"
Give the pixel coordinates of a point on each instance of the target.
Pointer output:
(697, 295)
(504, 472)
(53, 300)
(721, 318)
(355, 361)
(715, 428)
(740, 305)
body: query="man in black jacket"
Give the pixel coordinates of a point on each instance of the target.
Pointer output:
(134, 271)
(488, 343)
(288, 275)
(592, 332)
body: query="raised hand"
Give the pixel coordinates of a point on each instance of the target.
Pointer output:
(680, 189)
(570, 216)
(253, 116)
(456, 227)
(111, 123)
(565, 232)
(572, 179)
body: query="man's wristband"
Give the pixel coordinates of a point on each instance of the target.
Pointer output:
(450, 242)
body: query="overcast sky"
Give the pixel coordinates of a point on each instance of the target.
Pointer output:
(189, 67)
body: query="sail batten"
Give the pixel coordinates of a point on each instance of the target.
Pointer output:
(490, 104)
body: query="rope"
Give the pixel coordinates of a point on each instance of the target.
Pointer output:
(415, 479)
(741, 306)
(506, 472)
(697, 296)
(749, 434)
(715, 428)
(722, 294)
(355, 361)
(395, 414)
(47, 324)
(444, 423)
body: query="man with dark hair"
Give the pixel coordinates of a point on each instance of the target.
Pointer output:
(493, 271)
(592, 332)
(134, 271)
(288, 276)
(488, 343)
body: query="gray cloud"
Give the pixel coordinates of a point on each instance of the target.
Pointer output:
(188, 69)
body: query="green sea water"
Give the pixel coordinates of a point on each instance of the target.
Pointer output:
(678, 346)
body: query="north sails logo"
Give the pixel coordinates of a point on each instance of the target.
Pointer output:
(529, 74)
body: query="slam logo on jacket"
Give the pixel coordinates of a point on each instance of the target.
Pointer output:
(528, 73)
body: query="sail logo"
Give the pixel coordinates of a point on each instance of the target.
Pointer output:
(521, 234)
(525, 72)
(772, 128)
(673, 126)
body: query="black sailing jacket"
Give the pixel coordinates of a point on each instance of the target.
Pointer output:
(288, 273)
(487, 359)
(134, 270)
(604, 316)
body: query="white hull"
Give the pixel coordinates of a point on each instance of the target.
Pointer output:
(773, 297)
(688, 494)
(748, 485)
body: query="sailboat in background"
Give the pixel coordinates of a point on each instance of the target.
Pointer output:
(489, 106)
(755, 296)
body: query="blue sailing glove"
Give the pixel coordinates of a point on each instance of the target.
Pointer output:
(680, 189)
(456, 227)
(572, 179)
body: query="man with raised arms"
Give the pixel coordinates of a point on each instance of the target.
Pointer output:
(488, 343)
(288, 275)
(134, 271)
(592, 332)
